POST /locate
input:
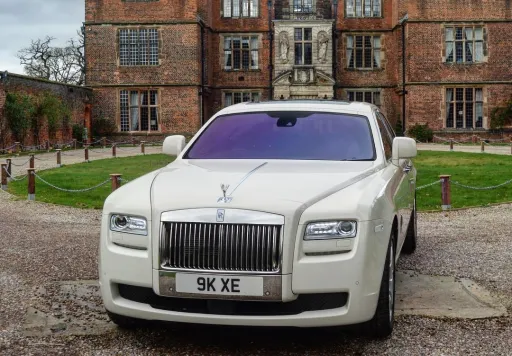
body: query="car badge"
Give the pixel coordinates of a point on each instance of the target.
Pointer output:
(224, 198)
(220, 215)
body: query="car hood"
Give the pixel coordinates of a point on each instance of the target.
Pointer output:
(266, 185)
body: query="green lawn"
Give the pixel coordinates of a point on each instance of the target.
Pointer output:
(475, 169)
(85, 175)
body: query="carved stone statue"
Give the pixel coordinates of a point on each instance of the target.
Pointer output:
(323, 41)
(284, 45)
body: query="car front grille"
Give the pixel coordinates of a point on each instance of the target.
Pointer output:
(221, 247)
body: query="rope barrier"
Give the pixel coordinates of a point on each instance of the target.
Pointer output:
(482, 188)
(13, 178)
(72, 190)
(20, 165)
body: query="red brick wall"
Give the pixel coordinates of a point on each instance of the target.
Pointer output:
(464, 10)
(74, 97)
(158, 11)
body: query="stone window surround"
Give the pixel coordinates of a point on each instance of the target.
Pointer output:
(347, 2)
(485, 120)
(139, 89)
(239, 34)
(365, 90)
(383, 61)
(131, 27)
(222, 15)
(238, 90)
(465, 24)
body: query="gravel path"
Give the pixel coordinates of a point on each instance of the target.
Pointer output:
(49, 160)
(41, 244)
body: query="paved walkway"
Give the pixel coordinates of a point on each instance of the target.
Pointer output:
(49, 160)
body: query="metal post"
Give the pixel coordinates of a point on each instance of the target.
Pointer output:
(104, 142)
(113, 150)
(451, 144)
(116, 181)
(59, 163)
(482, 146)
(31, 183)
(18, 147)
(4, 176)
(31, 161)
(74, 143)
(446, 198)
(86, 152)
(9, 169)
(142, 147)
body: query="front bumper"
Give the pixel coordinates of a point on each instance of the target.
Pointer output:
(353, 277)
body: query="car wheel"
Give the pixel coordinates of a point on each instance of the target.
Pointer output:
(409, 245)
(124, 322)
(381, 325)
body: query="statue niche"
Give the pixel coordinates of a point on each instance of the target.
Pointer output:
(323, 41)
(284, 46)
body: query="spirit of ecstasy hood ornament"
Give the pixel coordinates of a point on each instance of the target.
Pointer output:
(224, 188)
(224, 198)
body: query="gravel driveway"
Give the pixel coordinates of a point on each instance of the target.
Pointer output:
(42, 244)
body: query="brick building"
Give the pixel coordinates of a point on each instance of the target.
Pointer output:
(77, 100)
(165, 66)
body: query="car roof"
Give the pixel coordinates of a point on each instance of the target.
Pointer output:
(301, 105)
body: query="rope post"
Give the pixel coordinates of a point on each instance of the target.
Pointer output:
(47, 146)
(86, 153)
(446, 197)
(31, 161)
(74, 143)
(31, 183)
(18, 147)
(482, 146)
(59, 163)
(116, 181)
(113, 150)
(473, 138)
(4, 176)
(451, 144)
(143, 147)
(9, 169)
(104, 142)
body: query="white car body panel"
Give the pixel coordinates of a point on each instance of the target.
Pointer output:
(373, 193)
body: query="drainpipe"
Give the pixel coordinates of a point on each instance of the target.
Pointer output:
(334, 47)
(402, 23)
(203, 63)
(271, 51)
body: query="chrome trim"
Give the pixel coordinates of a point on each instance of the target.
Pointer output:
(232, 216)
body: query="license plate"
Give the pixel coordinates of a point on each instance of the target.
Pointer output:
(219, 284)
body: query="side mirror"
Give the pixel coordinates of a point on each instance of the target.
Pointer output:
(403, 148)
(173, 145)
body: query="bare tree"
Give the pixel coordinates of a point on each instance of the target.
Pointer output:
(61, 64)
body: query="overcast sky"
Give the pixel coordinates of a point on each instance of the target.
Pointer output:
(24, 20)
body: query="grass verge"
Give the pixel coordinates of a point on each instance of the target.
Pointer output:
(474, 169)
(86, 175)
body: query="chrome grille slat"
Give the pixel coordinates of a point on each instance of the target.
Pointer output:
(221, 247)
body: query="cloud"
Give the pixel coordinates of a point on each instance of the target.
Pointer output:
(24, 20)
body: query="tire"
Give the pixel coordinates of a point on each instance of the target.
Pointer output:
(409, 245)
(124, 322)
(381, 325)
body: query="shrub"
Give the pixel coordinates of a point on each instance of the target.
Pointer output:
(399, 130)
(19, 110)
(77, 132)
(422, 133)
(103, 126)
(501, 116)
(55, 111)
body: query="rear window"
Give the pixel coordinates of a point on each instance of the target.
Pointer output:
(286, 135)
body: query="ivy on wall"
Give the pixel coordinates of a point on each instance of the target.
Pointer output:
(501, 116)
(19, 111)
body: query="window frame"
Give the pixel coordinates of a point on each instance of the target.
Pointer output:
(302, 42)
(233, 92)
(389, 134)
(240, 9)
(474, 103)
(353, 57)
(298, 6)
(353, 4)
(140, 105)
(453, 41)
(363, 92)
(125, 45)
(232, 50)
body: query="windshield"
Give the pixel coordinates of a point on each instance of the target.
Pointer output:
(290, 135)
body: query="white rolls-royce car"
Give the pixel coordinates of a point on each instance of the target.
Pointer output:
(283, 213)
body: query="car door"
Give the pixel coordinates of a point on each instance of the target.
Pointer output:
(401, 183)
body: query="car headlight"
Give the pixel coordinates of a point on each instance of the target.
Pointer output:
(331, 230)
(128, 224)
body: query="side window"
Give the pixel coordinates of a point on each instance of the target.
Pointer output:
(387, 137)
